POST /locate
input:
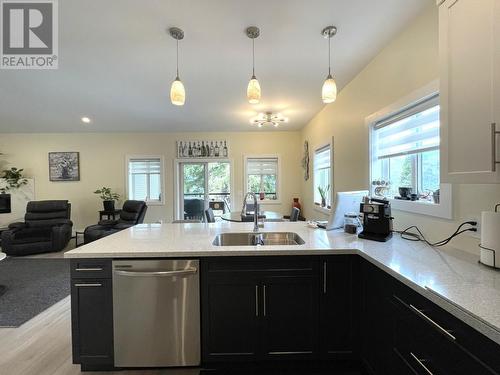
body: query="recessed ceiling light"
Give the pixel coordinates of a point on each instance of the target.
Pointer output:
(86, 120)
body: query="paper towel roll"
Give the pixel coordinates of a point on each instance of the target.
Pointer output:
(490, 238)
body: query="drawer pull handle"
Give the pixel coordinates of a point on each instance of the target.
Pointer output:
(256, 300)
(425, 317)
(324, 277)
(264, 299)
(494, 133)
(421, 363)
(89, 269)
(89, 285)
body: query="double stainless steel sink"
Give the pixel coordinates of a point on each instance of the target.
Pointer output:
(254, 239)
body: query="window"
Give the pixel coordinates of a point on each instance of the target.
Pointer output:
(145, 181)
(405, 150)
(262, 176)
(323, 176)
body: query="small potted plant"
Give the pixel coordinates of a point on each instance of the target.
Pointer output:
(108, 198)
(323, 191)
(14, 179)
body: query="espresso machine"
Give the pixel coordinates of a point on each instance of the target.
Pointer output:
(377, 220)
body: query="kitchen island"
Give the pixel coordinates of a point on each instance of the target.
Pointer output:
(398, 305)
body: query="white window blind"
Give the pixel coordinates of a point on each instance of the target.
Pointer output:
(262, 166)
(322, 158)
(411, 131)
(145, 179)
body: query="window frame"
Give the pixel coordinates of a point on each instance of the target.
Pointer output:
(278, 175)
(445, 207)
(128, 159)
(317, 206)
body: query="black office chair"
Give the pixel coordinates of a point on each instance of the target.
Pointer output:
(209, 215)
(194, 209)
(132, 213)
(294, 215)
(46, 228)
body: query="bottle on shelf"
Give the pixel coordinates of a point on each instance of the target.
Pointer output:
(207, 150)
(217, 150)
(224, 150)
(211, 149)
(190, 150)
(203, 150)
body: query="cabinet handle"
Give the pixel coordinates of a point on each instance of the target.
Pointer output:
(256, 300)
(264, 299)
(425, 317)
(421, 363)
(88, 269)
(494, 134)
(324, 277)
(89, 285)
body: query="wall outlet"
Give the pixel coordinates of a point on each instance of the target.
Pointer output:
(476, 234)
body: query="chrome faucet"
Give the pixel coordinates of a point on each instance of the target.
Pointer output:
(256, 210)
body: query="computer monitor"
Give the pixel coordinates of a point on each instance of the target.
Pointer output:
(345, 201)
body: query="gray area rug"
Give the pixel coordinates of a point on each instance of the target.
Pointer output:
(32, 285)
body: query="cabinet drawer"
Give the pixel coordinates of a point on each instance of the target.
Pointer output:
(90, 268)
(261, 264)
(426, 346)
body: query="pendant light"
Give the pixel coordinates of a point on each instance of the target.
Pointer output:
(329, 90)
(177, 91)
(253, 90)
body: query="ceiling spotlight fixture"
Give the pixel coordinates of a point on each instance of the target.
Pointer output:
(177, 91)
(268, 118)
(86, 120)
(253, 90)
(329, 90)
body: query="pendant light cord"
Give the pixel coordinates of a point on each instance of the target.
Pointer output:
(177, 58)
(253, 57)
(329, 55)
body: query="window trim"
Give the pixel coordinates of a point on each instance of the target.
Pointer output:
(128, 158)
(278, 181)
(445, 207)
(324, 210)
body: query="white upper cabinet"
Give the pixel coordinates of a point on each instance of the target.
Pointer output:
(469, 45)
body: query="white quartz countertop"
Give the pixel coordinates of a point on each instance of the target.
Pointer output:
(450, 278)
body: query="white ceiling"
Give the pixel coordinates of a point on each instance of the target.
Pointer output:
(116, 62)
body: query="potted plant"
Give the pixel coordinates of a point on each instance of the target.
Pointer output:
(108, 198)
(14, 179)
(323, 191)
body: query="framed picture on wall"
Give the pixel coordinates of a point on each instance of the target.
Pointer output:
(64, 166)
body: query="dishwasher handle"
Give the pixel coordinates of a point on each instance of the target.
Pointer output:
(187, 271)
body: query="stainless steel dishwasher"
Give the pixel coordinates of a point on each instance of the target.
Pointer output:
(156, 313)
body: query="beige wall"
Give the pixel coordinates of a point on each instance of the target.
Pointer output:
(407, 64)
(102, 163)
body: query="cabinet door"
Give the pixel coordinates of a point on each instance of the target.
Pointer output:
(92, 321)
(467, 71)
(230, 308)
(337, 307)
(290, 307)
(377, 318)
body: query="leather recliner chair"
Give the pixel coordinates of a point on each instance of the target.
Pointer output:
(132, 213)
(46, 228)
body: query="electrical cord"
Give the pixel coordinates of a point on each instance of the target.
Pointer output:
(419, 236)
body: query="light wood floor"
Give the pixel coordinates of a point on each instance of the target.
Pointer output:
(42, 346)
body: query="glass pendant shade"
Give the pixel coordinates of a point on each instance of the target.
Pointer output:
(177, 92)
(329, 90)
(253, 91)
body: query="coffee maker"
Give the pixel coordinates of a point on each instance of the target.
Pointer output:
(377, 220)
